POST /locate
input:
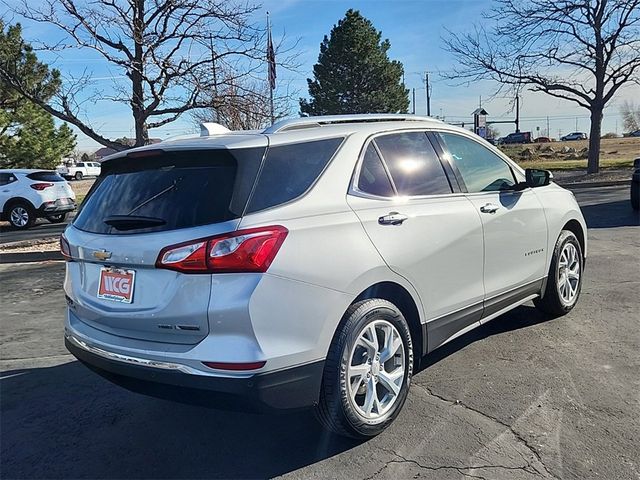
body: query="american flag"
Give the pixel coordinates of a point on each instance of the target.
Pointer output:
(271, 59)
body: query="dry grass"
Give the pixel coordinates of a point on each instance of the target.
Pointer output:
(608, 163)
(614, 153)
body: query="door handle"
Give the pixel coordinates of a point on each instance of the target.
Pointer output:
(489, 208)
(394, 218)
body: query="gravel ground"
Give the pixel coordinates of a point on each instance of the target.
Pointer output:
(42, 245)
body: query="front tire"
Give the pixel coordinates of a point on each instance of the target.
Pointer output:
(564, 281)
(21, 216)
(368, 370)
(78, 176)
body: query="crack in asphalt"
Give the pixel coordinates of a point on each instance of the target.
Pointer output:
(517, 435)
(461, 469)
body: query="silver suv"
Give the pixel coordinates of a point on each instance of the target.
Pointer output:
(312, 264)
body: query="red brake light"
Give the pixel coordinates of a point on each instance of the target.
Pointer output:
(41, 186)
(65, 250)
(249, 250)
(235, 366)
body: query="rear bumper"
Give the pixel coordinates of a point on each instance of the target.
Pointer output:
(293, 388)
(54, 208)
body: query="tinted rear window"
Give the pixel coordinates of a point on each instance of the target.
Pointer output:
(184, 189)
(373, 176)
(45, 177)
(290, 170)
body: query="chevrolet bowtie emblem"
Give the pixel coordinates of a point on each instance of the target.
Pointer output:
(102, 254)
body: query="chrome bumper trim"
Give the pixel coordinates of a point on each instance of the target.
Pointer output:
(128, 359)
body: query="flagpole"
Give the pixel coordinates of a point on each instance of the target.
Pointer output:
(270, 45)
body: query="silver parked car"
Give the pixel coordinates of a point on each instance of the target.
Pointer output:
(312, 264)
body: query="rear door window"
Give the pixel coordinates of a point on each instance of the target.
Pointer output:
(7, 178)
(179, 189)
(413, 164)
(373, 177)
(290, 170)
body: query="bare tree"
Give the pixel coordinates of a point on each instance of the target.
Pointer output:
(578, 50)
(246, 105)
(163, 48)
(630, 116)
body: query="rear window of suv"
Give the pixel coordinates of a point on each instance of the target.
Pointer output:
(290, 170)
(182, 189)
(45, 177)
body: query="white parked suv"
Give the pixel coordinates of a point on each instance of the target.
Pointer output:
(29, 194)
(313, 264)
(79, 170)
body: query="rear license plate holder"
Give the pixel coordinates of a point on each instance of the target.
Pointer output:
(116, 284)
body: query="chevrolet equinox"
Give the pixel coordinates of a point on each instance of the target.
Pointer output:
(312, 264)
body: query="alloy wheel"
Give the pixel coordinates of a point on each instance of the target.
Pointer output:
(376, 370)
(19, 216)
(568, 278)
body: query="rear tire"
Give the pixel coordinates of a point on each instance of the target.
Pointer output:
(368, 370)
(78, 176)
(564, 281)
(21, 216)
(59, 218)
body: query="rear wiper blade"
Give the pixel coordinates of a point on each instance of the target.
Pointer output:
(131, 222)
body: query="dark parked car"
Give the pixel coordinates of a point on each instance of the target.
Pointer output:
(517, 137)
(542, 140)
(635, 133)
(635, 185)
(574, 136)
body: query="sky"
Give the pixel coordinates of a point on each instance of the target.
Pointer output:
(415, 29)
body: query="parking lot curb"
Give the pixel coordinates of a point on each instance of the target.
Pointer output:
(29, 257)
(613, 183)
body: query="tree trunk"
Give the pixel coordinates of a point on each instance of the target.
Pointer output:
(593, 164)
(136, 75)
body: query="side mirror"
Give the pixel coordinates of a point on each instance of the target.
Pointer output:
(537, 177)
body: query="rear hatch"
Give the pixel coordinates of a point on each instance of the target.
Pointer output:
(137, 207)
(52, 186)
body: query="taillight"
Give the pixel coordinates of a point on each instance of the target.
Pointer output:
(65, 250)
(250, 250)
(41, 186)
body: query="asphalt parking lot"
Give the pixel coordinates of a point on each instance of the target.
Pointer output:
(523, 397)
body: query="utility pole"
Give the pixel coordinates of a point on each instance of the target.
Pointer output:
(215, 80)
(414, 101)
(517, 113)
(427, 88)
(576, 124)
(548, 130)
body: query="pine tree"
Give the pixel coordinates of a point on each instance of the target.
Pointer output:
(28, 135)
(354, 73)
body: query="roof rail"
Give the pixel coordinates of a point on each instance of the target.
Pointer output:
(311, 122)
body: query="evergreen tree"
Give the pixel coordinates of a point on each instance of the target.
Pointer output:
(354, 73)
(28, 135)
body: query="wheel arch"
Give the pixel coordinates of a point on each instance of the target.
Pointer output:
(13, 201)
(401, 298)
(576, 228)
